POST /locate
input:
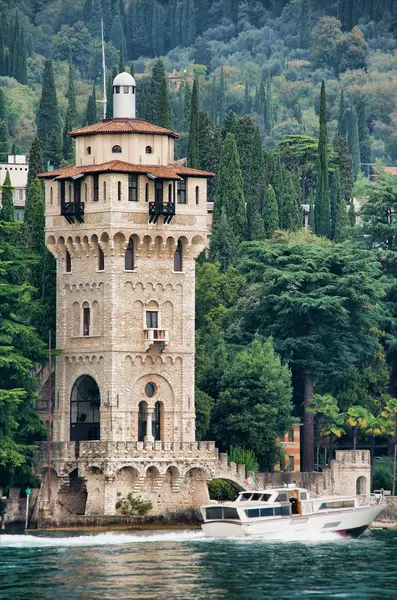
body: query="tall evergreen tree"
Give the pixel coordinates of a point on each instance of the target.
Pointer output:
(48, 124)
(36, 162)
(229, 192)
(70, 119)
(121, 59)
(210, 142)
(322, 207)
(339, 218)
(344, 163)
(270, 212)
(193, 153)
(214, 107)
(223, 244)
(222, 98)
(187, 105)
(161, 111)
(91, 115)
(268, 106)
(354, 142)
(7, 201)
(4, 141)
(342, 125)
(306, 24)
(290, 215)
(247, 100)
(34, 224)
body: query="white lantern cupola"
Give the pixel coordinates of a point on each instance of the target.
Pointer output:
(124, 97)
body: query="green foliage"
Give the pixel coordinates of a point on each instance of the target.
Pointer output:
(131, 506)
(204, 404)
(36, 163)
(91, 113)
(193, 153)
(383, 473)
(242, 456)
(339, 218)
(7, 201)
(70, 119)
(4, 141)
(322, 216)
(354, 141)
(221, 490)
(290, 213)
(161, 111)
(223, 244)
(48, 122)
(270, 212)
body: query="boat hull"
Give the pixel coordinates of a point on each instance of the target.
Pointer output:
(347, 522)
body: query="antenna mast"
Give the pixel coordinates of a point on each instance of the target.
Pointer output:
(104, 72)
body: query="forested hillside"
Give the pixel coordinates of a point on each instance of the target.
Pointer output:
(290, 104)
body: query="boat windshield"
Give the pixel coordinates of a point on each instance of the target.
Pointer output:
(254, 497)
(216, 513)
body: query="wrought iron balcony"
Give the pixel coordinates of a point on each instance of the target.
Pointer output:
(160, 209)
(72, 211)
(156, 337)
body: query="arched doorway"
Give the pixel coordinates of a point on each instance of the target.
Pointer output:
(84, 410)
(142, 421)
(361, 486)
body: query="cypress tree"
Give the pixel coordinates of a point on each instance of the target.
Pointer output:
(223, 244)
(121, 59)
(229, 124)
(161, 111)
(342, 127)
(229, 193)
(55, 150)
(277, 182)
(322, 207)
(187, 103)
(270, 212)
(339, 218)
(213, 111)
(352, 214)
(222, 98)
(353, 140)
(91, 110)
(70, 119)
(7, 201)
(268, 106)
(306, 24)
(210, 143)
(344, 163)
(193, 145)
(290, 215)
(21, 73)
(164, 114)
(48, 125)
(34, 221)
(260, 98)
(36, 163)
(106, 6)
(132, 69)
(247, 100)
(4, 141)
(191, 31)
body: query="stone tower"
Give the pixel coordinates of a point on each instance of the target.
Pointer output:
(125, 224)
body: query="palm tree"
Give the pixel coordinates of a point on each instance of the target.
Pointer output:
(356, 418)
(375, 426)
(329, 420)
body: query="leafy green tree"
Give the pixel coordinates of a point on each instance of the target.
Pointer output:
(193, 153)
(7, 200)
(203, 53)
(20, 350)
(306, 24)
(323, 321)
(254, 406)
(229, 194)
(328, 41)
(270, 212)
(322, 206)
(204, 404)
(241, 456)
(377, 215)
(355, 55)
(48, 123)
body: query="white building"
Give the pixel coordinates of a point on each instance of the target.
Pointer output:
(18, 168)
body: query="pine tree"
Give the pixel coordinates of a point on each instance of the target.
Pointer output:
(339, 218)
(270, 212)
(354, 142)
(7, 202)
(70, 119)
(48, 125)
(4, 141)
(223, 244)
(322, 207)
(306, 24)
(342, 126)
(193, 153)
(229, 192)
(222, 98)
(36, 163)
(91, 110)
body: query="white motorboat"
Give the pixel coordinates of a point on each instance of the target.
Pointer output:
(290, 509)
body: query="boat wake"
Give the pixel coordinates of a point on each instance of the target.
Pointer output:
(101, 539)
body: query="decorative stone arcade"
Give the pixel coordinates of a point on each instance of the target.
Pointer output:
(125, 224)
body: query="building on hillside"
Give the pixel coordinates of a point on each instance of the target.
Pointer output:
(125, 224)
(292, 449)
(18, 167)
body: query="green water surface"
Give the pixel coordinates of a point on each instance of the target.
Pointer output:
(176, 565)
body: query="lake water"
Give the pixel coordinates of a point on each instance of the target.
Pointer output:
(184, 565)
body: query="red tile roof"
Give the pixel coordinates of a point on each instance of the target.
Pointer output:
(391, 170)
(172, 171)
(123, 126)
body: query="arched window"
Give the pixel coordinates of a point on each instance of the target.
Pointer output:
(116, 149)
(148, 150)
(104, 191)
(88, 149)
(86, 319)
(142, 421)
(147, 193)
(156, 421)
(197, 194)
(129, 260)
(84, 410)
(68, 262)
(178, 257)
(119, 190)
(101, 259)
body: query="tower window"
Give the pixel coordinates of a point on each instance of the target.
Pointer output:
(96, 188)
(150, 389)
(152, 319)
(86, 320)
(101, 260)
(133, 188)
(51, 195)
(104, 191)
(68, 262)
(147, 193)
(148, 150)
(119, 190)
(129, 259)
(181, 194)
(126, 89)
(117, 89)
(116, 149)
(88, 149)
(170, 192)
(197, 194)
(178, 262)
